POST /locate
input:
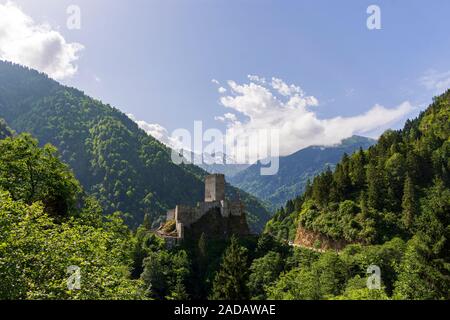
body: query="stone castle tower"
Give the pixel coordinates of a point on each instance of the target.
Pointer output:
(215, 188)
(231, 213)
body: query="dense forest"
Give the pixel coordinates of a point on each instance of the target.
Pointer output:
(295, 171)
(123, 167)
(396, 191)
(47, 224)
(390, 204)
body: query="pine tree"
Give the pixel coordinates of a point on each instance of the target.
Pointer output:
(357, 170)
(363, 206)
(179, 292)
(375, 187)
(290, 207)
(230, 282)
(147, 224)
(409, 204)
(342, 179)
(322, 186)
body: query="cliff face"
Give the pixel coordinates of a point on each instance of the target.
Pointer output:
(314, 240)
(214, 225)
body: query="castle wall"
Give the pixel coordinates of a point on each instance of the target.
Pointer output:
(186, 215)
(170, 215)
(204, 207)
(236, 209)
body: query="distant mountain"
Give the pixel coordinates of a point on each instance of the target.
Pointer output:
(125, 168)
(295, 170)
(221, 163)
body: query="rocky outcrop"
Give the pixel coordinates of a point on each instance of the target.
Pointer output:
(214, 225)
(314, 240)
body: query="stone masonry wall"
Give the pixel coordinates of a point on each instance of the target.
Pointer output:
(215, 188)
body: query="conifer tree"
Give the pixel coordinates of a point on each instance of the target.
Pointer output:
(230, 282)
(409, 204)
(290, 207)
(179, 292)
(375, 187)
(357, 170)
(147, 224)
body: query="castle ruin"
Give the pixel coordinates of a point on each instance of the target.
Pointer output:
(184, 217)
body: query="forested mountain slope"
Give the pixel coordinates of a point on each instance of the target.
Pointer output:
(376, 194)
(126, 169)
(399, 187)
(295, 171)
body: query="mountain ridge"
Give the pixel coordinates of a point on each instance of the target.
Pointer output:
(127, 169)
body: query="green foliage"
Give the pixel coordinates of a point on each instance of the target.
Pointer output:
(418, 278)
(263, 272)
(179, 292)
(144, 243)
(409, 204)
(425, 270)
(356, 289)
(313, 275)
(164, 273)
(317, 279)
(230, 282)
(35, 253)
(47, 226)
(33, 174)
(387, 257)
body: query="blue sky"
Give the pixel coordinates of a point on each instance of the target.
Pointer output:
(156, 59)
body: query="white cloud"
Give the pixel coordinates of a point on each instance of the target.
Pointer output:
(255, 78)
(278, 106)
(227, 117)
(156, 131)
(222, 90)
(35, 45)
(436, 81)
(285, 89)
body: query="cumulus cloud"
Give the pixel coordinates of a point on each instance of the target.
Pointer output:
(275, 105)
(436, 81)
(36, 45)
(157, 131)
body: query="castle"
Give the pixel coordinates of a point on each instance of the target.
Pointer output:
(230, 213)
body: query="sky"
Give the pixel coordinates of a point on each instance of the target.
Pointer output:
(311, 69)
